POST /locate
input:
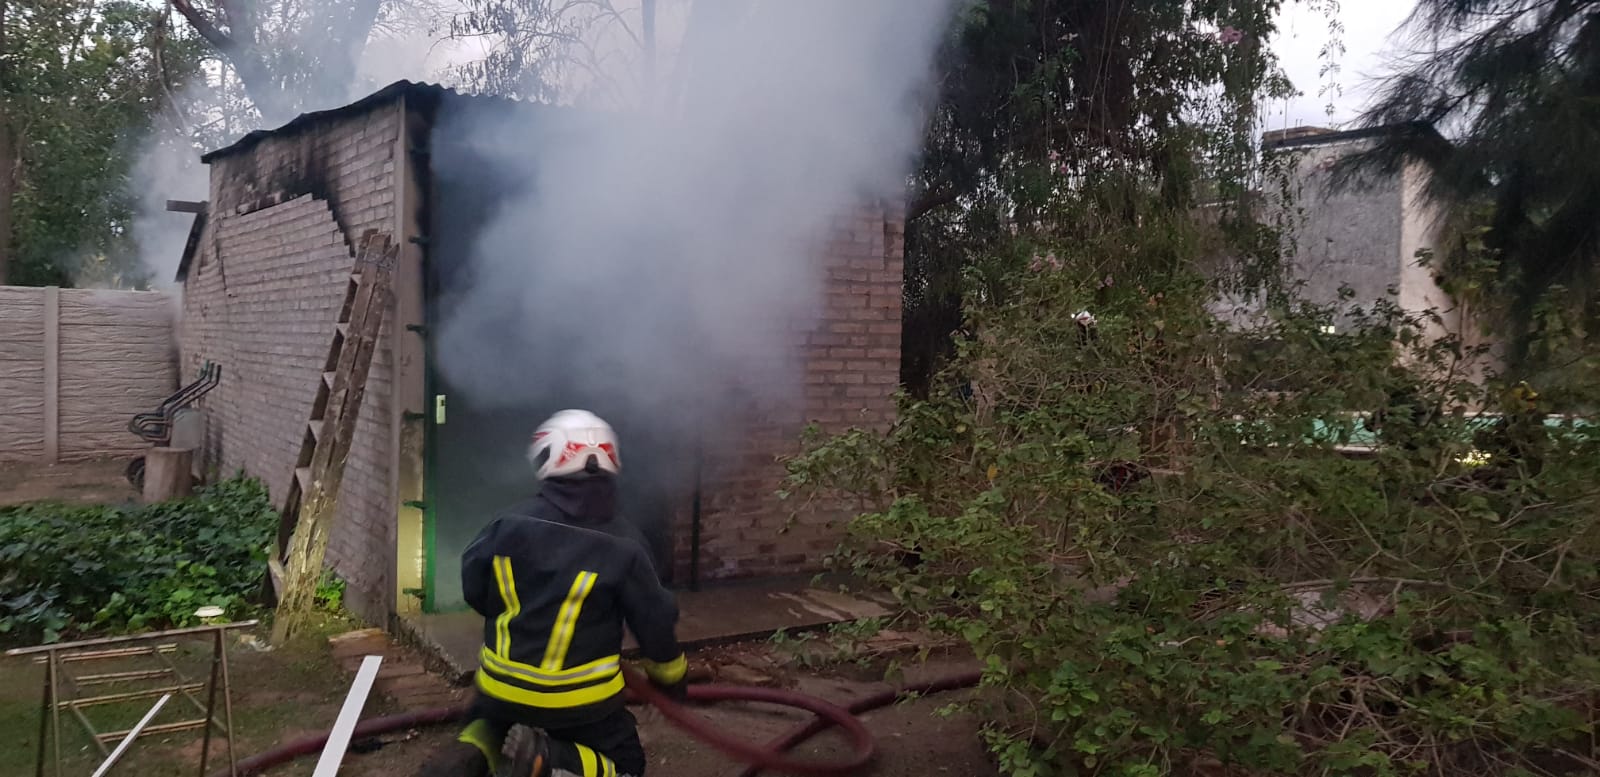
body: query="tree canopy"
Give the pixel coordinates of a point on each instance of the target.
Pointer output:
(80, 85)
(1515, 86)
(1044, 98)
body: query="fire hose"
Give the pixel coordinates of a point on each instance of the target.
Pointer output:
(758, 758)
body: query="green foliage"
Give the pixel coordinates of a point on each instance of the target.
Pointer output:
(68, 570)
(1149, 533)
(1513, 83)
(330, 592)
(839, 643)
(1043, 100)
(86, 83)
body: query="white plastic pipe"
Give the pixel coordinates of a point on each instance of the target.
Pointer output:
(345, 725)
(133, 734)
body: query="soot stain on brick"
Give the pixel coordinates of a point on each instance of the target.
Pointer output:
(263, 180)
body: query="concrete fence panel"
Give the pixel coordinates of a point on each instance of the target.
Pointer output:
(76, 365)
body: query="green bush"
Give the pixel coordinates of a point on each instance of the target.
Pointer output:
(67, 570)
(1164, 564)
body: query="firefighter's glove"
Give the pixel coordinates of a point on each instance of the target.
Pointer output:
(669, 677)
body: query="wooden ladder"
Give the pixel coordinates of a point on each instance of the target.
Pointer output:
(319, 470)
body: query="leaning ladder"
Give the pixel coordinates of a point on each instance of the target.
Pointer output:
(319, 469)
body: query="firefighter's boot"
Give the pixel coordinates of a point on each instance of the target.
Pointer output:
(527, 753)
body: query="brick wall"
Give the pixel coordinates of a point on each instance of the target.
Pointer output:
(76, 365)
(262, 298)
(849, 364)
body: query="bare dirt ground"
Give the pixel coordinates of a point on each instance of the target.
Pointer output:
(81, 482)
(291, 692)
(288, 693)
(914, 738)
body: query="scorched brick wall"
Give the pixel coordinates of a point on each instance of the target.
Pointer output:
(850, 365)
(262, 299)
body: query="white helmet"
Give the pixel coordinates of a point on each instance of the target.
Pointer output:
(564, 444)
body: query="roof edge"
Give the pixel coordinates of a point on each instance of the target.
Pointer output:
(1345, 136)
(388, 93)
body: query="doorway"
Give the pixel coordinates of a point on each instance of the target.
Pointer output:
(479, 428)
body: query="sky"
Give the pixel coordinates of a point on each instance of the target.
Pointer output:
(1368, 37)
(1370, 42)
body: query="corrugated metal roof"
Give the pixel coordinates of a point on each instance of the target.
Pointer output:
(387, 94)
(1325, 138)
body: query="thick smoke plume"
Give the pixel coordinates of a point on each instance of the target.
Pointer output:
(659, 261)
(214, 109)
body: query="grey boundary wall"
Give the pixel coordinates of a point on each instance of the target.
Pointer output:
(76, 365)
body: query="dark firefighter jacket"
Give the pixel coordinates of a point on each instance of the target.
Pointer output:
(555, 578)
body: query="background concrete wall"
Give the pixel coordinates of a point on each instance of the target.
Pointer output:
(1347, 237)
(262, 298)
(76, 365)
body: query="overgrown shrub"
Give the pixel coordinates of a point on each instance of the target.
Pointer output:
(65, 570)
(1165, 565)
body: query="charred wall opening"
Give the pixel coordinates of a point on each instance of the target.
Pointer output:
(477, 464)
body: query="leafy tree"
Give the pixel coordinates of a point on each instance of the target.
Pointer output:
(1515, 85)
(1042, 98)
(294, 56)
(82, 82)
(551, 50)
(1167, 568)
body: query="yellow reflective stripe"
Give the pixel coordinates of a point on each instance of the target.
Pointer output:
(479, 735)
(549, 699)
(508, 594)
(591, 670)
(595, 764)
(555, 654)
(590, 762)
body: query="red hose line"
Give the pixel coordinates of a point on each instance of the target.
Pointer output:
(293, 749)
(820, 724)
(861, 740)
(760, 757)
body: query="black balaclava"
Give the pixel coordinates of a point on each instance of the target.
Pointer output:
(587, 497)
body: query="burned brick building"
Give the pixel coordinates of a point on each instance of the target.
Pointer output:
(264, 277)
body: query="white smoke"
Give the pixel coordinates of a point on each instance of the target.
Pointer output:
(662, 258)
(213, 111)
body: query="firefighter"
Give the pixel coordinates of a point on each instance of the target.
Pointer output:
(555, 579)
